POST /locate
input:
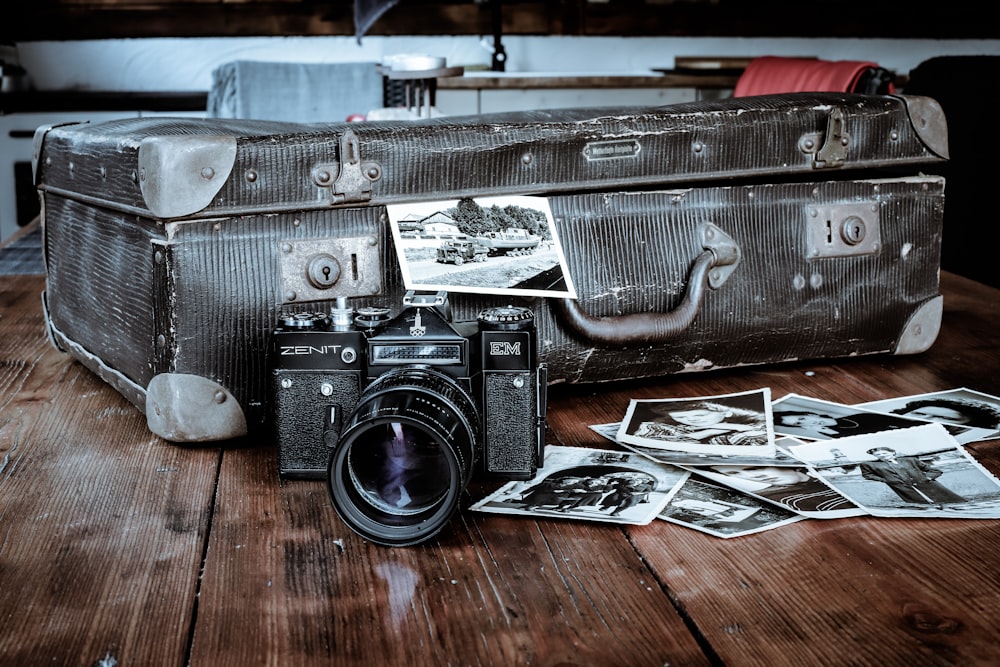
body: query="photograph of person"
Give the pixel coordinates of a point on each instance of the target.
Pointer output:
(794, 487)
(921, 471)
(815, 419)
(977, 412)
(720, 511)
(778, 458)
(592, 484)
(737, 424)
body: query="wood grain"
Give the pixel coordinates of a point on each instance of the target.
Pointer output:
(117, 545)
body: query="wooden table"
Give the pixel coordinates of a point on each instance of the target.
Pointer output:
(117, 548)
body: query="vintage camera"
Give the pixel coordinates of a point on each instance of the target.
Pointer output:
(399, 413)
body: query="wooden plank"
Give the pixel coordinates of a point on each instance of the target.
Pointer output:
(856, 591)
(491, 591)
(102, 526)
(524, 82)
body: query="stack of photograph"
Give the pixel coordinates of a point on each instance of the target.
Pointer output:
(736, 464)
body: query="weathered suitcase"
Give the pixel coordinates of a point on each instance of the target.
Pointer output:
(698, 236)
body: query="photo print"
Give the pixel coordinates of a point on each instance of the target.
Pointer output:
(689, 459)
(974, 411)
(489, 245)
(736, 424)
(814, 419)
(920, 471)
(590, 484)
(723, 512)
(795, 487)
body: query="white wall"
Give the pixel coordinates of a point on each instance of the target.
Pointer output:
(186, 64)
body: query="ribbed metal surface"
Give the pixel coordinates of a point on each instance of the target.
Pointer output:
(533, 153)
(216, 299)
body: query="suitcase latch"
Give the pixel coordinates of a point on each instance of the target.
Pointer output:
(829, 149)
(351, 180)
(843, 230)
(323, 269)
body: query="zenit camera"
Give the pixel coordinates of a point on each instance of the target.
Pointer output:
(399, 413)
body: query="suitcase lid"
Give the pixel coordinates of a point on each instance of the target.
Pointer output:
(179, 168)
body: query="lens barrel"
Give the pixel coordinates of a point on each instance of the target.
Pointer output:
(405, 456)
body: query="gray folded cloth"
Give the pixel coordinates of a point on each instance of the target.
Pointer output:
(298, 92)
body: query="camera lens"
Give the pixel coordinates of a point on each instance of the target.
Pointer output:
(405, 456)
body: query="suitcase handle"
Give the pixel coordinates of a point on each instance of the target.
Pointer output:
(710, 269)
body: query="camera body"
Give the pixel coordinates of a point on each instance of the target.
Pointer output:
(451, 398)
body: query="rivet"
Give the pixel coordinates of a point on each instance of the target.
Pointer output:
(158, 257)
(373, 173)
(286, 383)
(290, 296)
(251, 176)
(698, 147)
(526, 158)
(815, 280)
(208, 173)
(372, 241)
(161, 341)
(894, 135)
(808, 144)
(216, 227)
(219, 396)
(323, 177)
(286, 247)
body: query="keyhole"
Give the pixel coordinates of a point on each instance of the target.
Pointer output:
(853, 230)
(323, 271)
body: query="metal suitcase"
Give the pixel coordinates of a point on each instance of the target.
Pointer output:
(699, 236)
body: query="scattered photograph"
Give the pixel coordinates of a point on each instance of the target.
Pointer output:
(735, 424)
(779, 458)
(590, 484)
(975, 411)
(797, 488)
(814, 419)
(723, 512)
(489, 245)
(919, 471)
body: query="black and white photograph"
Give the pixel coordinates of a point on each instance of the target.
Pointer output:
(797, 488)
(723, 512)
(814, 419)
(737, 424)
(920, 471)
(695, 459)
(970, 409)
(590, 484)
(488, 245)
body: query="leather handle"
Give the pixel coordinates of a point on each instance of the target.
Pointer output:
(710, 270)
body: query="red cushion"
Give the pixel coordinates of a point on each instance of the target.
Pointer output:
(774, 74)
